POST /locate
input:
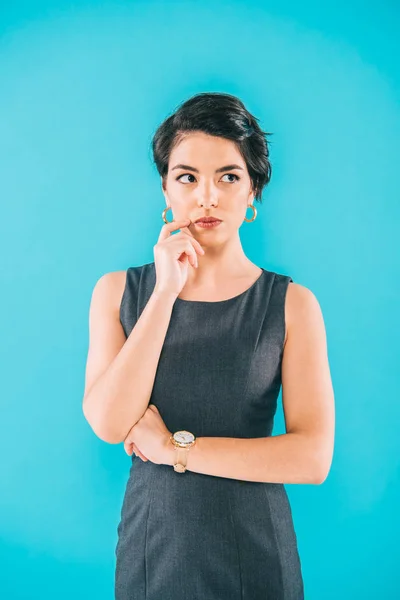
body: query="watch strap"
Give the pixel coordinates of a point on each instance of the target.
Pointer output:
(180, 461)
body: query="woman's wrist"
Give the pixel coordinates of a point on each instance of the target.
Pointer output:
(169, 452)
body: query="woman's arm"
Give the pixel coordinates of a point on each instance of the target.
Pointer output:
(304, 453)
(120, 372)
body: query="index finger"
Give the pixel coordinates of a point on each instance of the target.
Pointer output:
(168, 228)
(185, 229)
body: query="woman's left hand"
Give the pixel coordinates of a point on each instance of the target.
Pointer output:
(149, 438)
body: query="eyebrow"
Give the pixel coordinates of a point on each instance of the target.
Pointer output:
(220, 170)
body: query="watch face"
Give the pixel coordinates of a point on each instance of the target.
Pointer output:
(183, 437)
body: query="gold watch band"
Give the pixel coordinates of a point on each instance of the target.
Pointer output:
(181, 449)
(180, 461)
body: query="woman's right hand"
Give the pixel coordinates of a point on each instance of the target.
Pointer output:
(172, 255)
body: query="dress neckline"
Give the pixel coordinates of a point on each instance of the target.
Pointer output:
(182, 300)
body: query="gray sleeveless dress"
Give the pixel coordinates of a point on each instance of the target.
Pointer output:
(195, 536)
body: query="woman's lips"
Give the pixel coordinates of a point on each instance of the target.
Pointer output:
(208, 224)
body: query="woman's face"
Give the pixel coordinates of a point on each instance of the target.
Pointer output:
(201, 191)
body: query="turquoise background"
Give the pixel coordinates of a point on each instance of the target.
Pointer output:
(83, 86)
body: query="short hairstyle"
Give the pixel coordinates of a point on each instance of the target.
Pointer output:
(221, 115)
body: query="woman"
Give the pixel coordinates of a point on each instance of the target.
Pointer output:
(186, 360)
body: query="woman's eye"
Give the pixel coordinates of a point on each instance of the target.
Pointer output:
(232, 175)
(226, 175)
(184, 175)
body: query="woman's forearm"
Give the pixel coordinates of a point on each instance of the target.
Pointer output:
(286, 458)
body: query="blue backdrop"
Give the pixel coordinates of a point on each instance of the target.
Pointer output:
(83, 87)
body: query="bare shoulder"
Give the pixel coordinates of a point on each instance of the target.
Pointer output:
(302, 309)
(106, 335)
(109, 289)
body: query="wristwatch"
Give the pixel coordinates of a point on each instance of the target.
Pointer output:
(182, 440)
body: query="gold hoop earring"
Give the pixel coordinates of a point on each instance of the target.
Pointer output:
(254, 213)
(164, 212)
